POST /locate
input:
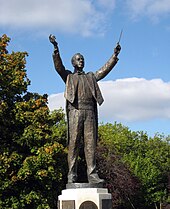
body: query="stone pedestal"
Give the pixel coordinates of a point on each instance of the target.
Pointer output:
(85, 198)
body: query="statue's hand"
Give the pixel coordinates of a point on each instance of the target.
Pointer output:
(117, 49)
(52, 39)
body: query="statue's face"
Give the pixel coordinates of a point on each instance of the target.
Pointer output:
(79, 62)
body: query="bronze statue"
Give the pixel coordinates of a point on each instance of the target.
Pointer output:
(82, 95)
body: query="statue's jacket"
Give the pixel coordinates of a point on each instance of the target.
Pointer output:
(71, 79)
(72, 83)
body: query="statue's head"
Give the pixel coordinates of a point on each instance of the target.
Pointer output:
(78, 62)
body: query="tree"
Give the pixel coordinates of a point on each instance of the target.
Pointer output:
(32, 152)
(148, 159)
(120, 181)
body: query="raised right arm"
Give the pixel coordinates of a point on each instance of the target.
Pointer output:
(58, 64)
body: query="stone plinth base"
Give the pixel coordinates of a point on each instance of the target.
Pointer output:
(85, 198)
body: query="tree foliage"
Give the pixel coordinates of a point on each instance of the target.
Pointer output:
(32, 151)
(147, 158)
(120, 181)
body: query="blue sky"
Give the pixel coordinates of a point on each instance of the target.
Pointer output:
(137, 91)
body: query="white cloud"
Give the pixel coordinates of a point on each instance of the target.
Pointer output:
(131, 99)
(76, 16)
(135, 99)
(152, 8)
(56, 101)
(83, 17)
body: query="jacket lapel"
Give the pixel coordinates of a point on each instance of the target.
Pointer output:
(71, 86)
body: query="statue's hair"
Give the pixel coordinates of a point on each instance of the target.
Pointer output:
(73, 58)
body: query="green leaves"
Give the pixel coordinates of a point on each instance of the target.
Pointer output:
(148, 158)
(32, 155)
(45, 164)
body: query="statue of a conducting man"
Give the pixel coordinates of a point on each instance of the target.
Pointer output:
(82, 95)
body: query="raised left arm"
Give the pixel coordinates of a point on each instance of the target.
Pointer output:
(103, 71)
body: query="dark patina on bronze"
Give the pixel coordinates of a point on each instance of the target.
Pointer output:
(82, 96)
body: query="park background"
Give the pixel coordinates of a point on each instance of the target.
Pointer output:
(33, 163)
